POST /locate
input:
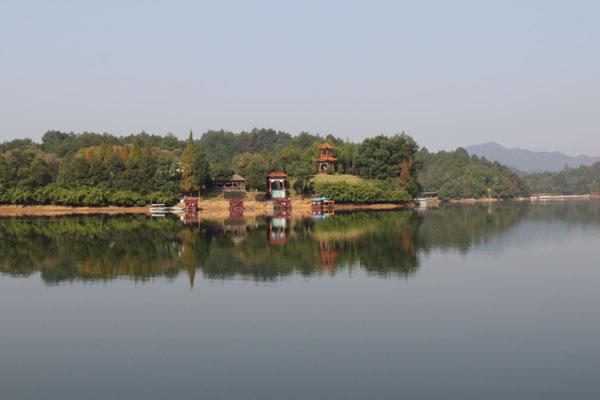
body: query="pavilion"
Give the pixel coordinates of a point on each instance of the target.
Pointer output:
(237, 183)
(276, 184)
(326, 161)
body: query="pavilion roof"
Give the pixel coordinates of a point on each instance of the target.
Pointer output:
(277, 175)
(325, 146)
(326, 159)
(320, 198)
(237, 178)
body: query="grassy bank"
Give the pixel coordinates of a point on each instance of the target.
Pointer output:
(351, 189)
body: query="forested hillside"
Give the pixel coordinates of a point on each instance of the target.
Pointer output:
(457, 175)
(90, 169)
(582, 180)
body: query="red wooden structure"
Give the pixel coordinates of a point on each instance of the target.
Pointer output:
(191, 204)
(236, 209)
(326, 161)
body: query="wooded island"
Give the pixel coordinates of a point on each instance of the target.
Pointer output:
(95, 170)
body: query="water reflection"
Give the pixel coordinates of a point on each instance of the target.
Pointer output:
(263, 248)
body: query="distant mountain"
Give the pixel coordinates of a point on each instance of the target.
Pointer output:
(529, 161)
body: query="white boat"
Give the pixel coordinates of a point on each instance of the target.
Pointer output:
(422, 203)
(163, 209)
(158, 208)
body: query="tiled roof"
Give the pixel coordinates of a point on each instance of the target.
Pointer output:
(277, 175)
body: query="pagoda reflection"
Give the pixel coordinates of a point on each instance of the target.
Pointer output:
(327, 255)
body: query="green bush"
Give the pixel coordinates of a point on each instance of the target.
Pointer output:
(83, 197)
(362, 192)
(235, 195)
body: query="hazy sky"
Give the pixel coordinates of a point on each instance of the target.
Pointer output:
(450, 73)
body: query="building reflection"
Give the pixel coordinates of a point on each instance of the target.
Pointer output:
(102, 247)
(235, 226)
(278, 226)
(327, 255)
(190, 211)
(235, 229)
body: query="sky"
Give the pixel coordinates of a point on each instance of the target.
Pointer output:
(449, 73)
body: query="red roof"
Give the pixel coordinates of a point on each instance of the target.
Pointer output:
(277, 175)
(326, 159)
(326, 146)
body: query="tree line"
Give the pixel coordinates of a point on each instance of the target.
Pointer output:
(582, 180)
(101, 169)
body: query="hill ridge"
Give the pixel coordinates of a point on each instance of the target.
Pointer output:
(528, 161)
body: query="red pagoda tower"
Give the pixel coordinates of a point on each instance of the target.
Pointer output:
(326, 162)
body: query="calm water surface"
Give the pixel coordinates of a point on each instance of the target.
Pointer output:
(490, 302)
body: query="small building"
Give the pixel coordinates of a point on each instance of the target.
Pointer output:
(428, 200)
(326, 161)
(322, 205)
(237, 183)
(276, 185)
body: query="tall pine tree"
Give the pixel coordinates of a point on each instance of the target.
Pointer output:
(194, 168)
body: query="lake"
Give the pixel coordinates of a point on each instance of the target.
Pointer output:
(462, 302)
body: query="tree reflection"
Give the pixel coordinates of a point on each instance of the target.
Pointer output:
(141, 248)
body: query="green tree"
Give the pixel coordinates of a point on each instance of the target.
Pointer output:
(136, 151)
(253, 167)
(97, 174)
(220, 173)
(194, 168)
(38, 175)
(381, 157)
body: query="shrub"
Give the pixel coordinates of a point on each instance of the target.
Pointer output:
(362, 192)
(83, 197)
(235, 195)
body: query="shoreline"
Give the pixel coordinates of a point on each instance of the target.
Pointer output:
(52, 210)
(218, 208)
(471, 200)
